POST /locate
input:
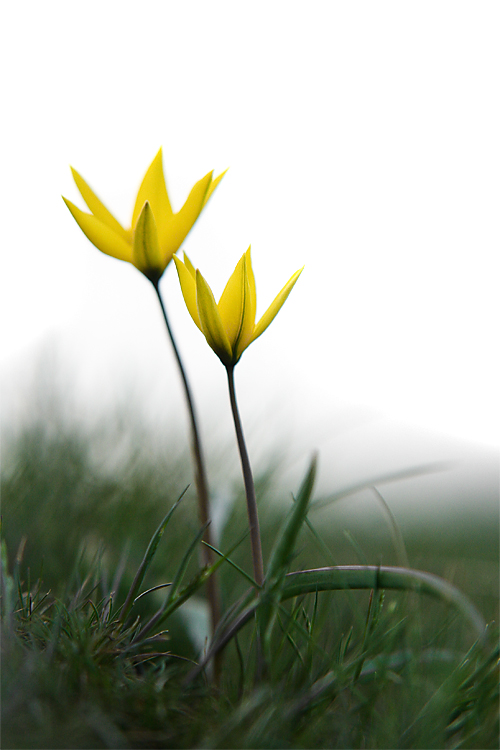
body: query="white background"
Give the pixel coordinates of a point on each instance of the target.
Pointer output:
(362, 141)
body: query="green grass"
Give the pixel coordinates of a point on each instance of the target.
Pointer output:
(340, 669)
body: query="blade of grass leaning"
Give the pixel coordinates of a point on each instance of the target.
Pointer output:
(285, 543)
(281, 556)
(147, 560)
(374, 577)
(163, 611)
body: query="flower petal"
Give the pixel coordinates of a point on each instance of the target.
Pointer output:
(213, 185)
(147, 254)
(211, 323)
(275, 306)
(248, 322)
(189, 266)
(98, 208)
(180, 224)
(187, 281)
(232, 302)
(252, 287)
(104, 238)
(154, 190)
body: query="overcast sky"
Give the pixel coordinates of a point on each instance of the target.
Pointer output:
(363, 142)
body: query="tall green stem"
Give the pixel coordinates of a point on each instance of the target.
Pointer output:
(253, 518)
(200, 476)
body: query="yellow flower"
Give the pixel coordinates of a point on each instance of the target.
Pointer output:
(229, 327)
(156, 232)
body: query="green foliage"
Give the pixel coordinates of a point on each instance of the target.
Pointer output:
(96, 653)
(280, 558)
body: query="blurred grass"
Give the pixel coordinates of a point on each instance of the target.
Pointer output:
(76, 494)
(77, 499)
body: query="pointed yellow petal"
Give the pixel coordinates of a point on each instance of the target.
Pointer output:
(211, 323)
(147, 254)
(154, 190)
(275, 307)
(251, 282)
(213, 185)
(180, 224)
(232, 301)
(101, 235)
(187, 281)
(189, 266)
(97, 208)
(248, 322)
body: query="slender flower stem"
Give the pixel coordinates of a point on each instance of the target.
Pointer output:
(213, 592)
(253, 518)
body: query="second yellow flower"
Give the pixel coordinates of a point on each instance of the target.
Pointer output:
(229, 326)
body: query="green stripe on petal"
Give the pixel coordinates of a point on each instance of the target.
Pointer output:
(104, 238)
(275, 307)
(211, 323)
(154, 191)
(187, 281)
(97, 207)
(232, 302)
(147, 254)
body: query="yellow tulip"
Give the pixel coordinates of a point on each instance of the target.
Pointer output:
(229, 326)
(156, 232)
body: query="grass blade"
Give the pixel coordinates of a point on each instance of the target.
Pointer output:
(147, 560)
(345, 577)
(281, 556)
(284, 546)
(164, 610)
(374, 577)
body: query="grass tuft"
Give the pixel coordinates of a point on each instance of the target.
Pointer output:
(96, 652)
